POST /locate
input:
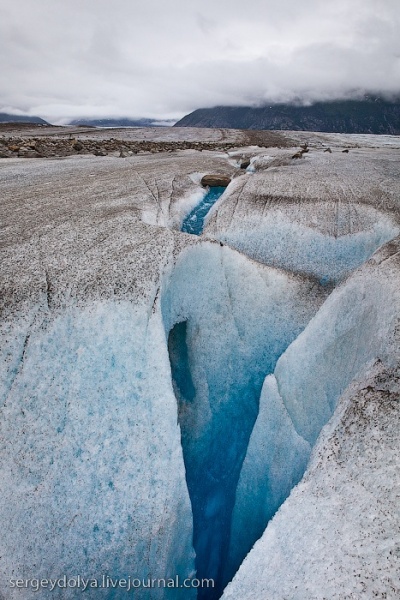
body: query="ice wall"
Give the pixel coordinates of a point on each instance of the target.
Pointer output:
(275, 461)
(228, 320)
(350, 329)
(326, 241)
(336, 535)
(93, 479)
(356, 325)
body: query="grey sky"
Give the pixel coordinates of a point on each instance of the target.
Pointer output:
(62, 59)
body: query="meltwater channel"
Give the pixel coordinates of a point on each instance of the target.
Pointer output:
(194, 221)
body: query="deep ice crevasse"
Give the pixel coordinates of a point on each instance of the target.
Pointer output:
(228, 319)
(354, 326)
(71, 438)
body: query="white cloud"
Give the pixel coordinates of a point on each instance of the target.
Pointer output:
(162, 59)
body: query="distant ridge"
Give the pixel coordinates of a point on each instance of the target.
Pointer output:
(121, 122)
(372, 115)
(7, 118)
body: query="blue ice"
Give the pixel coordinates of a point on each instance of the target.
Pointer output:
(194, 221)
(228, 320)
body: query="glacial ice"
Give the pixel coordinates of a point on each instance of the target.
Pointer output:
(93, 477)
(356, 325)
(293, 238)
(350, 329)
(228, 320)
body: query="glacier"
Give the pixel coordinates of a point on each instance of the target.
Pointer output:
(92, 470)
(320, 217)
(166, 400)
(219, 357)
(356, 325)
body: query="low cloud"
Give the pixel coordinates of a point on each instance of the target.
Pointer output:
(65, 60)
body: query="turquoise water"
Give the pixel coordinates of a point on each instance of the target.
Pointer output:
(194, 221)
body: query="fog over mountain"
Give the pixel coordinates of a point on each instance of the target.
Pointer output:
(370, 115)
(13, 118)
(74, 60)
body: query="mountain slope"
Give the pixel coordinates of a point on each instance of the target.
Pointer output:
(347, 116)
(7, 118)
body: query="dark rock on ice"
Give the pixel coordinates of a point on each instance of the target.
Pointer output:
(215, 180)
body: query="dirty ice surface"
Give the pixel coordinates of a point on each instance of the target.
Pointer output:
(160, 392)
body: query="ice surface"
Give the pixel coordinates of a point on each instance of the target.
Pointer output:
(93, 473)
(321, 215)
(281, 241)
(93, 478)
(319, 536)
(152, 188)
(229, 320)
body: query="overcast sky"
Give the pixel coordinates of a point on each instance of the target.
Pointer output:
(62, 59)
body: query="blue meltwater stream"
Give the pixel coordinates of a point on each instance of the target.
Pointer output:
(194, 221)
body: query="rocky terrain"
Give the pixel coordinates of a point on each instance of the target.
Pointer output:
(24, 142)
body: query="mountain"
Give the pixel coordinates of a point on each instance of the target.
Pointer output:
(7, 118)
(371, 115)
(121, 122)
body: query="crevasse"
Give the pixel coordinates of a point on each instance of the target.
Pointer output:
(248, 419)
(93, 454)
(227, 320)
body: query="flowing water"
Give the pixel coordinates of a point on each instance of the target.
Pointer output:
(194, 221)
